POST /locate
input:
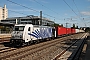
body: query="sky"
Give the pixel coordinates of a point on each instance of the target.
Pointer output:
(60, 11)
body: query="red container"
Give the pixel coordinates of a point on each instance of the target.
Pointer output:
(68, 31)
(73, 30)
(61, 31)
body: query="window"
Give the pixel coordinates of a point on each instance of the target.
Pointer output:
(29, 29)
(19, 28)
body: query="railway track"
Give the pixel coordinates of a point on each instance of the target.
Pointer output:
(4, 49)
(46, 50)
(75, 47)
(6, 39)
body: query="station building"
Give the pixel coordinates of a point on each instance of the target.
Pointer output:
(35, 20)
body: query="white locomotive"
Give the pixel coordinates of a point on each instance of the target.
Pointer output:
(28, 33)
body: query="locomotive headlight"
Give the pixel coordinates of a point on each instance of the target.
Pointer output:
(12, 35)
(21, 36)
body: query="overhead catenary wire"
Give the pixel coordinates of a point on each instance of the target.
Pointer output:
(76, 7)
(70, 7)
(17, 12)
(31, 9)
(56, 12)
(78, 11)
(22, 6)
(46, 7)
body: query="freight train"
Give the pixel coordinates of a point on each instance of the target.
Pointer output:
(28, 33)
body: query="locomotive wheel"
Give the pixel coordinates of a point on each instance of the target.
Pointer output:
(28, 43)
(50, 39)
(19, 44)
(37, 41)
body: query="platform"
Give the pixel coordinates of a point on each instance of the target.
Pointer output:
(85, 55)
(5, 36)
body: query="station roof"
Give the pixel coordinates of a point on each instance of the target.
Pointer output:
(6, 24)
(27, 17)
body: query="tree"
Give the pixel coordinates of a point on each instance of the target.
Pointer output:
(61, 25)
(76, 27)
(87, 29)
(73, 26)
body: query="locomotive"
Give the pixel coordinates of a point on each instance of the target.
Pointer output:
(28, 33)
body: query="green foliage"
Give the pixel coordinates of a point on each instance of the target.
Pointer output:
(55, 25)
(5, 29)
(87, 29)
(61, 25)
(76, 27)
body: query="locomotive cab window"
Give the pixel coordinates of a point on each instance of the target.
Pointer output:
(19, 28)
(29, 29)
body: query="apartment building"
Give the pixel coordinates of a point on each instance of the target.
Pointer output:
(3, 12)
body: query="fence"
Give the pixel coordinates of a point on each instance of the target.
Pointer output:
(5, 32)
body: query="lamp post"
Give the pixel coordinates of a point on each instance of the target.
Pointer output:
(40, 18)
(66, 27)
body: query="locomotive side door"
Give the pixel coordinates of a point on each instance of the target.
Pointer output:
(27, 37)
(28, 33)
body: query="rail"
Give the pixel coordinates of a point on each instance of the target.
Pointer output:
(75, 54)
(79, 49)
(5, 38)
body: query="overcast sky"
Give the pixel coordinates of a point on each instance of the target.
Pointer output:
(60, 11)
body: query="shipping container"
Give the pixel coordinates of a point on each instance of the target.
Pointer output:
(81, 31)
(68, 31)
(73, 30)
(60, 31)
(77, 30)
